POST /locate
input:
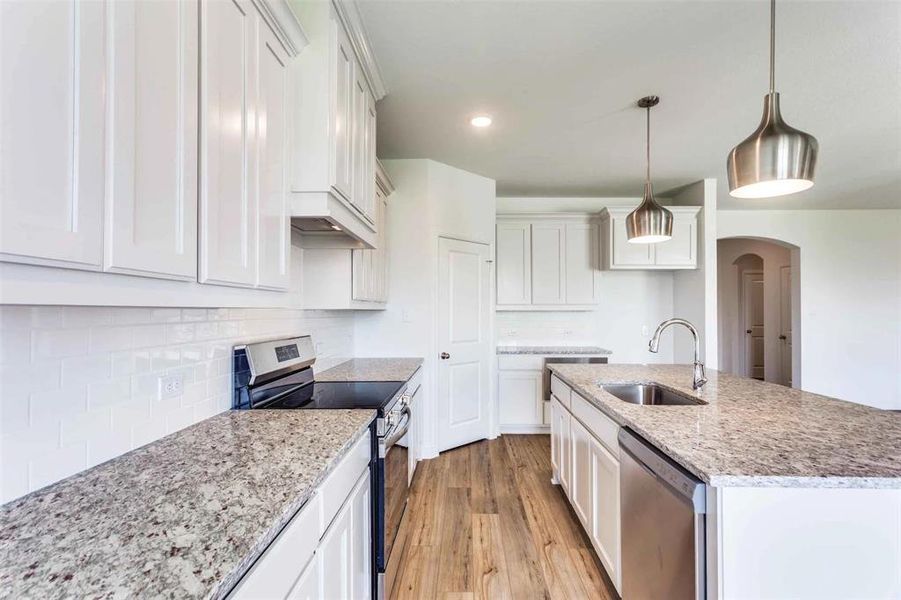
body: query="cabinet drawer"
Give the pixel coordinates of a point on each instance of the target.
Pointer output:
(561, 391)
(602, 426)
(339, 484)
(275, 572)
(526, 362)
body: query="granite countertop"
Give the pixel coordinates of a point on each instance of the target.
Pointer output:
(372, 369)
(183, 517)
(753, 433)
(553, 350)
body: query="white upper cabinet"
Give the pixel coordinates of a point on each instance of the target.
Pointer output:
(52, 76)
(228, 187)
(343, 121)
(514, 262)
(681, 252)
(272, 136)
(547, 262)
(333, 159)
(581, 263)
(151, 212)
(244, 226)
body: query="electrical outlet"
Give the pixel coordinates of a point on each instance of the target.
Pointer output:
(171, 386)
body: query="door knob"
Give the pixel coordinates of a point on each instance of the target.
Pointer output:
(747, 331)
(445, 356)
(782, 337)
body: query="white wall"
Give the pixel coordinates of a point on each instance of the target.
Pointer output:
(772, 257)
(850, 296)
(694, 291)
(431, 199)
(79, 385)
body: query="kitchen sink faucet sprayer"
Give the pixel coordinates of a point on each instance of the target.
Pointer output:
(700, 377)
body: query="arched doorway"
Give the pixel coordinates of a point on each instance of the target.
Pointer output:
(759, 316)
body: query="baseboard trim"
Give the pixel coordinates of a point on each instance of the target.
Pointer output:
(520, 429)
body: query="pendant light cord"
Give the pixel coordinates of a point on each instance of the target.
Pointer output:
(648, 146)
(772, 46)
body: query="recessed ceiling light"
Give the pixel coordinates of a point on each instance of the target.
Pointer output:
(481, 121)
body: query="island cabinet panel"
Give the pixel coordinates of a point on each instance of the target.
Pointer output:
(53, 75)
(580, 491)
(309, 584)
(807, 543)
(605, 509)
(151, 210)
(585, 461)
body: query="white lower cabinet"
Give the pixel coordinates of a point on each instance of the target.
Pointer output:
(520, 399)
(580, 491)
(325, 551)
(605, 528)
(588, 470)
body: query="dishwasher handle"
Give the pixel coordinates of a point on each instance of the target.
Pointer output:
(665, 469)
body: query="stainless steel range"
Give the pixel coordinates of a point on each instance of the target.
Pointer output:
(278, 374)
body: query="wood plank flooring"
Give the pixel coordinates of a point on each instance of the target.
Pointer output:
(484, 521)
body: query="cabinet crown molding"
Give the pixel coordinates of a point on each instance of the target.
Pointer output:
(350, 17)
(281, 18)
(621, 211)
(548, 216)
(382, 179)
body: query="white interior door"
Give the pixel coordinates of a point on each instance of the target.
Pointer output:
(785, 321)
(464, 342)
(752, 310)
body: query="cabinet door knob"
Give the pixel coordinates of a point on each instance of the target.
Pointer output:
(782, 337)
(445, 356)
(748, 331)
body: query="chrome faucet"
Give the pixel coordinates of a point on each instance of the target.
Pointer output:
(700, 377)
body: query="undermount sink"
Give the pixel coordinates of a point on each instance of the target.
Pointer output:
(650, 394)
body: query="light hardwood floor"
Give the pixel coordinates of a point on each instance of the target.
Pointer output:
(484, 521)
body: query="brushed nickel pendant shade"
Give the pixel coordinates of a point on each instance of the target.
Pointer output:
(650, 223)
(776, 159)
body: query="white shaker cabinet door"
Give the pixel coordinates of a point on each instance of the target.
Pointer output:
(360, 146)
(580, 483)
(342, 111)
(271, 116)
(581, 263)
(681, 250)
(228, 203)
(308, 587)
(625, 253)
(605, 511)
(548, 263)
(151, 213)
(52, 77)
(361, 540)
(520, 397)
(514, 263)
(335, 556)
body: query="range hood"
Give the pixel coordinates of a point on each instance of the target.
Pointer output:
(325, 221)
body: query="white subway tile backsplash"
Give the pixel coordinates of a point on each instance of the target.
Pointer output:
(80, 385)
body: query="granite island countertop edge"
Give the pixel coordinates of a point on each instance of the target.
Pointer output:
(724, 479)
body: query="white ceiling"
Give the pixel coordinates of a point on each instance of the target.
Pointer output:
(561, 79)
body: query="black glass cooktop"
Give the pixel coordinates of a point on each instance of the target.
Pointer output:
(357, 394)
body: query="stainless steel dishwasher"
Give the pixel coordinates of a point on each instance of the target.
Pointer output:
(663, 524)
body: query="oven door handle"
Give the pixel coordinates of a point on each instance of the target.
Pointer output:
(399, 430)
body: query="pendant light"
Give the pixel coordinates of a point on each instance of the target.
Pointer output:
(776, 159)
(650, 223)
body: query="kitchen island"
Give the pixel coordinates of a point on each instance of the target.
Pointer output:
(803, 491)
(183, 517)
